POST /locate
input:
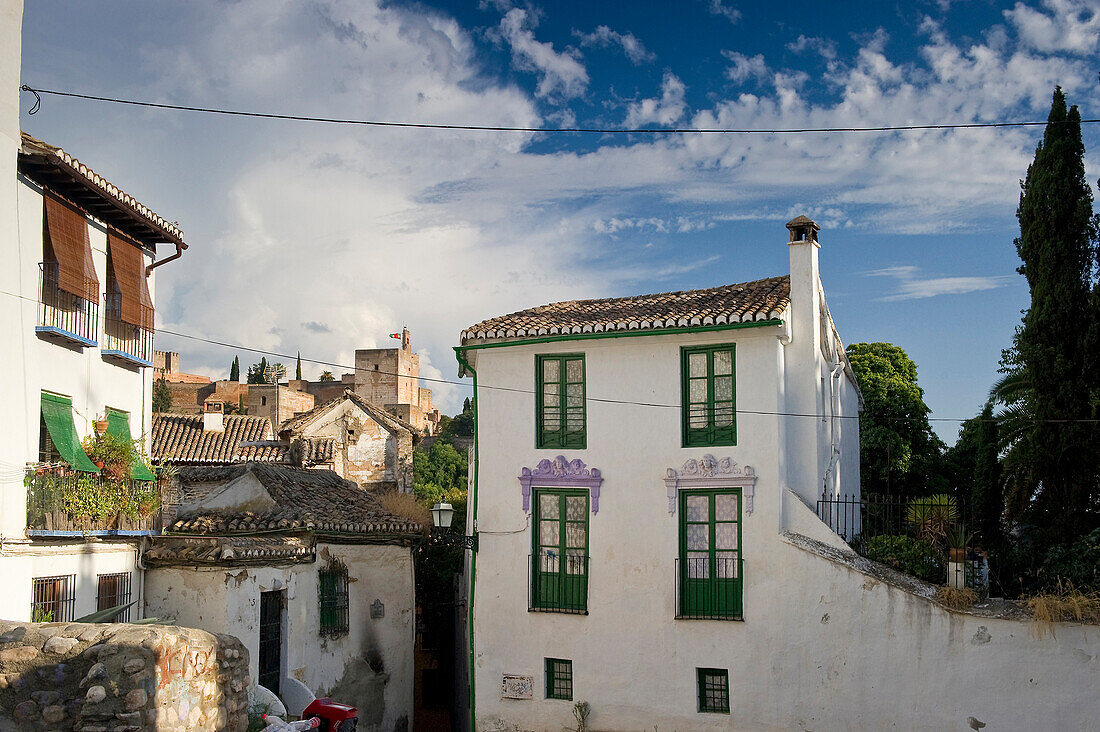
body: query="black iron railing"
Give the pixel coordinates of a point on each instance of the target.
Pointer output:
(709, 588)
(558, 584)
(64, 313)
(127, 340)
(928, 537)
(69, 501)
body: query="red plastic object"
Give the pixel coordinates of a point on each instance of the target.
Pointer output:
(334, 717)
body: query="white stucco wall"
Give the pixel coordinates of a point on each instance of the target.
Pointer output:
(228, 601)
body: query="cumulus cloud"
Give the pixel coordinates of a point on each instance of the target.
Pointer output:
(745, 67)
(603, 37)
(561, 73)
(664, 111)
(718, 7)
(1062, 25)
(911, 285)
(824, 47)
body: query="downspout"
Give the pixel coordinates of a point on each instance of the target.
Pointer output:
(141, 575)
(464, 366)
(180, 246)
(834, 384)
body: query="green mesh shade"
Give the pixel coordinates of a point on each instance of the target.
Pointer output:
(118, 424)
(58, 415)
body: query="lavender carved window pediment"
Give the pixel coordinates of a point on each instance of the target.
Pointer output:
(561, 473)
(710, 472)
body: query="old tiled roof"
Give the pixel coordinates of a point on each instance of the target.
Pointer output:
(297, 424)
(317, 450)
(233, 550)
(50, 163)
(263, 451)
(745, 302)
(180, 438)
(306, 500)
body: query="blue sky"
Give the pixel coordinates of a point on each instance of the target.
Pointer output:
(324, 239)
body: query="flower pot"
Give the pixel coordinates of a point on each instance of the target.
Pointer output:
(100, 426)
(99, 464)
(957, 555)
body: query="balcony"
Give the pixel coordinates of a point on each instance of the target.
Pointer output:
(122, 341)
(709, 588)
(66, 502)
(558, 584)
(63, 315)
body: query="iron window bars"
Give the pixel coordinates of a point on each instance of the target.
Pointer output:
(714, 690)
(334, 600)
(54, 599)
(113, 590)
(559, 679)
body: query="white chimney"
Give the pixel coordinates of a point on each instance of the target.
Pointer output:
(213, 416)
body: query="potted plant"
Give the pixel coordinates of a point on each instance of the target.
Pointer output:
(100, 425)
(958, 542)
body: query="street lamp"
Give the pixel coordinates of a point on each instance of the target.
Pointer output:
(442, 515)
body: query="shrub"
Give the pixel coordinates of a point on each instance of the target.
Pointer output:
(916, 557)
(956, 599)
(1076, 563)
(405, 505)
(1063, 603)
(931, 517)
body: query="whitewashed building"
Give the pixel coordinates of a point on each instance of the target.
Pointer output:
(77, 312)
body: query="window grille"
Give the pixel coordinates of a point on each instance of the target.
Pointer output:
(334, 600)
(559, 679)
(54, 599)
(114, 590)
(714, 690)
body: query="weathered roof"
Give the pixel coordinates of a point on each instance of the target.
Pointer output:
(232, 550)
(745, 302)
(304, 499)
(298, 423)
(56, 169)
(180, 438)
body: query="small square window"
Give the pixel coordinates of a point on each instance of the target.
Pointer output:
(559, 679)
(714, 690)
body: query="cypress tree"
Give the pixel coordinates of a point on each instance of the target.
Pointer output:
(1050, 347)
(298, 368)
(162, 396)
(987, 491)
(235, 369)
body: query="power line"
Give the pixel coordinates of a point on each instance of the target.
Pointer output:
(492, 387)
(504, 128)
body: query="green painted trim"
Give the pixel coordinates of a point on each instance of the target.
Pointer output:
(620, 334)
(464, 367)
(541, 442)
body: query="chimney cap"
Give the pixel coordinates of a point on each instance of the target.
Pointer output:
(803, 228)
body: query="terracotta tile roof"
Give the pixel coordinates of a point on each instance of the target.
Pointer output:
(180, 438)
(263, 451)
(230, 550)
(297, 424)
(306, 499)
(745, 302)
(317, 450)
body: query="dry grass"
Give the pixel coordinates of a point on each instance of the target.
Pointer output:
(1064, 603)
(955, 599)
(405, 505)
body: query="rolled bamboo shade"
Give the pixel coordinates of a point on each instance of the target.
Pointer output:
(128, 267)
(66, 232)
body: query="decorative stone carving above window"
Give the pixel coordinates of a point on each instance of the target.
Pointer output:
(561, 473)
(710, 472)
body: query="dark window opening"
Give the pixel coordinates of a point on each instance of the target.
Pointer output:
(114, 590)
(54, 599)
(559, 679)
(333, 585)
(714, 690)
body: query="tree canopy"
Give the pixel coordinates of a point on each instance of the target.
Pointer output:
(899, 453)
(235, 369)
(438, 472)
(162, 396)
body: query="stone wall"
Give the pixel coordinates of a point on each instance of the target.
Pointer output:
(83, 677)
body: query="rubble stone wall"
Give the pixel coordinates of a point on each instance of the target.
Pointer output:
(84, 677)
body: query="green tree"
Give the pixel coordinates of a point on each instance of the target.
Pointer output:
(1051, 383)
(438, 472)
(235, 369)
(976, 477)
(298, 367)
(256, 372)
(461, 425)
(899, 453)
(326, 376)
(162, 396)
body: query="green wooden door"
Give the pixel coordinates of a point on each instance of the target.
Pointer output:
(710, 554)
(560, 574)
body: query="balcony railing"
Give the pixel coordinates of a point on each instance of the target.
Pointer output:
(63, 501)
(122, 340)
(709, 588)
(63, 314)
(558, 584)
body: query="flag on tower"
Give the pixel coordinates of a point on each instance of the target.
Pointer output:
(395, 335)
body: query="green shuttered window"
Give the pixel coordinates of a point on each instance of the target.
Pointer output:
(559, 679)
(710, 554)
(560, 561)
(709, 396)
(57, 413)
(560, 397)
(333, 586)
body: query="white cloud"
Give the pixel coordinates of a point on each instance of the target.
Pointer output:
(1062, 25)
(824, 47)
(667, 110)
(717, 7)
(603, 37)
(745, 67)
(910, 285)
(561, 74)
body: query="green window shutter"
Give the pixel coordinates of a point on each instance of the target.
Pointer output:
(560, 402)
(710, 564)
(118, 424)
(57, 411)
(560, 559)
(709, 403)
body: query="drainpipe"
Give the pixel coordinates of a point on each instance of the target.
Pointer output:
(141, 575)
(838, 369)
(180, 246)
(464, 365)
